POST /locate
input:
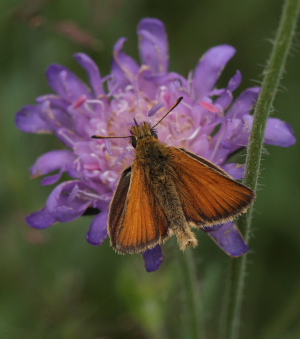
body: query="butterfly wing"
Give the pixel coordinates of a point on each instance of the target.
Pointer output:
(208, 194)
(136, 221)
(118, 203)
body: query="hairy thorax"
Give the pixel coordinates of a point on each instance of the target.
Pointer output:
(152, 154)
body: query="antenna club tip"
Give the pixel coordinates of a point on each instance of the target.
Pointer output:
(96, 137)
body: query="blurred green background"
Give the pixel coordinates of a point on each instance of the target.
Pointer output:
(53, 284)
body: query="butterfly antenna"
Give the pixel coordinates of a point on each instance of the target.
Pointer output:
(112, 137)
(108, 137)
(174, 106)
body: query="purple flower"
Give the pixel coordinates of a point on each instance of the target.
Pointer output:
(208, 122)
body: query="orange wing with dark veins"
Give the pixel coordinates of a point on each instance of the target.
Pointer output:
(208, 194)
(136, 221)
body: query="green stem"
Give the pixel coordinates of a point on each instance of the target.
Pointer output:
(273, 74)
(192, 295)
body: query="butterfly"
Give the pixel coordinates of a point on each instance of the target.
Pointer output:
(167, 191)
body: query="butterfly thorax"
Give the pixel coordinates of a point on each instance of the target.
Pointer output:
(152, 153)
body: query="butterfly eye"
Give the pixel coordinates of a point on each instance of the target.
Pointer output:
(133, 142)
(154, 134)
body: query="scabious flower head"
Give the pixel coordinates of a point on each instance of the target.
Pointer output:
(208, 122)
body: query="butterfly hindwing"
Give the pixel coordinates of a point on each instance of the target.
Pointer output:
(136, 221)
(208, 194)
(118, 203)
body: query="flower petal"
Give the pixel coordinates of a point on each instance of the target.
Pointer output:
(209, 69)
(279, 133)
(54, 100)
(52, 161)
(29, 120)
(41, 219)
(237, 171)
(235, 81)
(153, 258)
(208, 229)
(51, 179)
(153, 45)
(244, 103)
(66, 83)
(66, 202)
(230, 240)
(124, 68)
(97, 232)
(54, 117)
(93, 72)
(225, 99)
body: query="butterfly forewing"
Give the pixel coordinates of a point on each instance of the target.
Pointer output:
(142, 223)
(208, 194)
(207, 163)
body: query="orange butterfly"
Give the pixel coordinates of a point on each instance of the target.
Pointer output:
(168, 190)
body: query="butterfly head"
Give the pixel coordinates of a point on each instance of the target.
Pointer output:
(141, 132)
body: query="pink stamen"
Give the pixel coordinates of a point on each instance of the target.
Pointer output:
(210, 107)
(91, 167)
(168, 98)
(80, 101)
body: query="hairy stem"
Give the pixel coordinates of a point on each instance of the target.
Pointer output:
(272, 77)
